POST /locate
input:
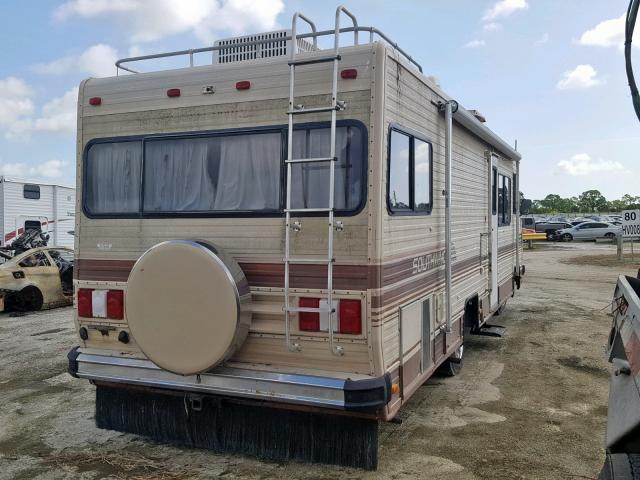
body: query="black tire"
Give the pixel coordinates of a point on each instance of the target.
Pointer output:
(621, 466)
(550, 235)
(610, 235)
(452, 365)
(28, 299)
(567, 237)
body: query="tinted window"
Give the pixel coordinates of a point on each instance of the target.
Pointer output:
(399, 195)
(422, 175)
(112, 176)
(32, 225)
(410, 167)
(31, 191)
(504, 200)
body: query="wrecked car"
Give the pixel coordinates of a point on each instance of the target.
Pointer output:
(38, 278)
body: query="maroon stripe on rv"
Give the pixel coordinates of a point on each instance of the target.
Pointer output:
(346, 277)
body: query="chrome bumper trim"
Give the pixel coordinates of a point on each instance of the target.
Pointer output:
(296, 389)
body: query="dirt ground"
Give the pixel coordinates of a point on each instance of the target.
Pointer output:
(531, 405)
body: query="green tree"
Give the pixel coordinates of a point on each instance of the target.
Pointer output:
(592, 201)
(630, 202)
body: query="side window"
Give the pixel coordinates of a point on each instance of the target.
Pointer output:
(504, 200)
(32, 225)
(36, 260)
(31, 191)
(399, 156)
(112, 176)
(410, 169)
(494, 193)
(516, 193)
(422, 175)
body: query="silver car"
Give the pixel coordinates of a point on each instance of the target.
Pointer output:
(589, 231)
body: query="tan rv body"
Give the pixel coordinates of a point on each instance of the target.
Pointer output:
(392, 263)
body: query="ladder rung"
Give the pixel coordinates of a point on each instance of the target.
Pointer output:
(313, 160)
(303, 111)
(308, 260)
(308, 210)
(311, 309)
(310, 61)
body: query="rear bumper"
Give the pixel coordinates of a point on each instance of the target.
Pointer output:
(368, 395)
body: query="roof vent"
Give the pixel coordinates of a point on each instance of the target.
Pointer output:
(478, 116)
(276, 47)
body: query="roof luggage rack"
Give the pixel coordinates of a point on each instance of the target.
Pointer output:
(253, 47)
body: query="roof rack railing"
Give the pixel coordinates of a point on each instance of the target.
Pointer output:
(314, 35)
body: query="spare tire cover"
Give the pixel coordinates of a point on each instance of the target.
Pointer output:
(187, 305)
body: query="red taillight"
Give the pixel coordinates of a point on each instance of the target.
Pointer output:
(309, 321)
(84, 302)
(350, 317)
(173, 92)
(95, 101)
(243, 85)
(115, 304)
(349, 73)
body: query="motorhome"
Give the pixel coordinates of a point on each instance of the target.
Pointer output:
(288, 228)
(29, 205)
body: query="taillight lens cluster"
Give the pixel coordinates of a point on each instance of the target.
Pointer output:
(349, 316)
(101, 303)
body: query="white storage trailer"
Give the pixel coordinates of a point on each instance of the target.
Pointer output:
(28, 205)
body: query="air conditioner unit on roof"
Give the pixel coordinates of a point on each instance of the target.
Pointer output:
(277, 47)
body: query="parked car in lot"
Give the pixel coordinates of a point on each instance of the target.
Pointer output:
(589, 231)
(40, 277)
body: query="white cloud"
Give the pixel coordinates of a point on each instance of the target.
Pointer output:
(583, 76)
(608, 33)
(504, 8)
(491, 27)
(150, 20)
(542, 40)
(98, 61)
(16, 105)
(48, 169)
(582, 164)
(475, 44)
(59, 114)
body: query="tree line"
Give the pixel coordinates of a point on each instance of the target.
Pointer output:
(591, 201)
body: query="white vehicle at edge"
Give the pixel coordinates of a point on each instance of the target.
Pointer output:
(589, 231)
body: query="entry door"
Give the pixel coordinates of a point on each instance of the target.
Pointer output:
(493, 228)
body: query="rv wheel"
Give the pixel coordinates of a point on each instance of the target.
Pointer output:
(29, 298)
(452, 365)
(620, 466)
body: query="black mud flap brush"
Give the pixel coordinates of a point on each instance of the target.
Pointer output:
(225, 426)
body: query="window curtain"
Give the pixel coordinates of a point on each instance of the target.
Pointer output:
(113, 177)
(238, 172)
(310, 182)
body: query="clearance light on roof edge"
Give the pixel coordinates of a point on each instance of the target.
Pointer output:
(243, 85)
(173, 92)
(95, 101)
(349, 73)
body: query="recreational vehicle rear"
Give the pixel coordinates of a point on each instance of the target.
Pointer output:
(283, 245)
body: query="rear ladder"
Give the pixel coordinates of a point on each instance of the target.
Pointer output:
(294, 110)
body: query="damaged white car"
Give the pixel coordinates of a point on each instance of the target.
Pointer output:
(38, 278)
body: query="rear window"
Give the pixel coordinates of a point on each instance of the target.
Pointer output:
(223, 173)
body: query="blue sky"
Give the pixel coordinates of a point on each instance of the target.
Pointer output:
(548, 73)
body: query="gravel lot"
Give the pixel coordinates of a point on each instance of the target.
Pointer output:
(529, 406)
